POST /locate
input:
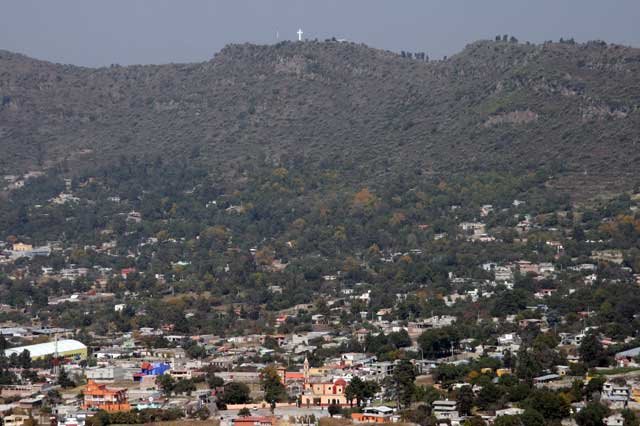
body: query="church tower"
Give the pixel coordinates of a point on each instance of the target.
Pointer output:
(306, 370)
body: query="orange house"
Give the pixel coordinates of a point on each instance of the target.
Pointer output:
(370, 418)
(374, 415)
(100, 397)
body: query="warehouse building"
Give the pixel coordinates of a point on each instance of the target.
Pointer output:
(67, 348)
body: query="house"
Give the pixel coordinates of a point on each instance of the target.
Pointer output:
(353, 358)
(100, 397)
(22, 247)
(107, 374)
(318, 319)
(616, 394)
(526, 267)
(544, 292)
(124, 273)
(523, 226)
(361, 335)
(381, 414)
(381, 370)
(508, 339)
(473, 227)
(112, 353)
(445, 409)
(614, 420)
(382, 313)
(15, 419)
(502, 274)
(610, 256)
(275, 289)
(134, 216)
(486, 210)
(524, 323)
(20, 391)
(542, 380)
(626, 357)
(546, 268)
(511, 411)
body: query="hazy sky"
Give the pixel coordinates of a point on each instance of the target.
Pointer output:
(102, 32)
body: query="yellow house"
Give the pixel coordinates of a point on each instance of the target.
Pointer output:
(15, 419)
(22, 247)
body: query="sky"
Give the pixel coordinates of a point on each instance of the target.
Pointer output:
(104, 32)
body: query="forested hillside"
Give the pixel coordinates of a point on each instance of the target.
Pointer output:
(371, 114)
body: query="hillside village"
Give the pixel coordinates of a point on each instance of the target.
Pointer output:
(483, 310)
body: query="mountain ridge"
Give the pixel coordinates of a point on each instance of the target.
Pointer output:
(495, 105)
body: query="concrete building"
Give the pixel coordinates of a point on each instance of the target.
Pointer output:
(100, 397)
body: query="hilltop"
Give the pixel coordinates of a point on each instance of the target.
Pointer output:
(517, 107)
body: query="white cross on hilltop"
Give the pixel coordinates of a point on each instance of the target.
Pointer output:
(300, 34)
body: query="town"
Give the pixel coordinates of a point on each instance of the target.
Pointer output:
(518, 312)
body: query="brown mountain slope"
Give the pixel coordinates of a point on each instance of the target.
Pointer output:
(496, 105)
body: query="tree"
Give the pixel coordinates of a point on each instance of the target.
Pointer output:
(477, 421)
(508, 421)
(465, 400)
(591, 351)
(488, 395)
(527, 367)
(64, 380)
(334, 409)
(594, 386)
(630, 418)
(420, 415)
(404, 375)
(214, 381)
(360, 390)
(592, 415)
(400, 339)
(438, 342)
(244, 412)
(202, 413)
(510, 302)
(24, 359)
(350, 391)
(167, 383)
(274, 390)
(551, 405)
(236, 393)
(532, 418)
(184, 386)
